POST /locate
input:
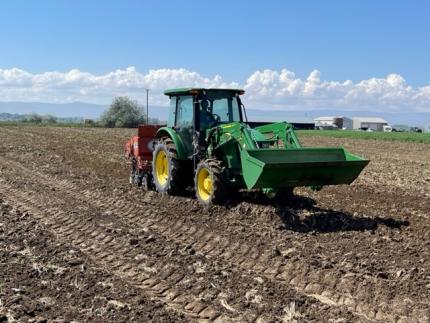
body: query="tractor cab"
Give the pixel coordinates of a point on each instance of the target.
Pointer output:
(195, 110)
(204, 108)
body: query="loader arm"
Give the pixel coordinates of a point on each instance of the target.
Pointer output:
(281, 131)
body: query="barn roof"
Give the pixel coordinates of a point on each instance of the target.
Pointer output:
(369, 120)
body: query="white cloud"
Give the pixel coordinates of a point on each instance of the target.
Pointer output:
(277, 90)
(76, 85)
(266, 89)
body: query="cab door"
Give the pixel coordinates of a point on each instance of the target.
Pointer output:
(185, 122)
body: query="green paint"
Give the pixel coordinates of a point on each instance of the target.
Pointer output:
(171, 133)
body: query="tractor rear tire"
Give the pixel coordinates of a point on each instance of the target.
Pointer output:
(209, 183)
(167, 170)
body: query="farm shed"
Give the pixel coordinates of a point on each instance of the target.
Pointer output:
(328, 122)
(372, 123)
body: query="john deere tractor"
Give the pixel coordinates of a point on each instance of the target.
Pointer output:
(208, 144)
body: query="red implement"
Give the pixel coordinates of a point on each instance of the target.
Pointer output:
(140, 147)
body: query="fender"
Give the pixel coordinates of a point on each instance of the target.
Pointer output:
(171, 133)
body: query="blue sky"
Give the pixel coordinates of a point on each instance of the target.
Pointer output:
(342, 40)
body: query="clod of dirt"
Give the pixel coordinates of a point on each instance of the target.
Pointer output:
(253, 297)
(276, 252)
(47, 301)
(133, 241)
(383, 275)
(150, 239)
(287, 253)
(116, 305)
(75, 262)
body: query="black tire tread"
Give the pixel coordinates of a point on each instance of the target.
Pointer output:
(177, 172)
(219, 188)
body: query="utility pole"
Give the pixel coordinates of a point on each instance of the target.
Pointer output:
(147, 109)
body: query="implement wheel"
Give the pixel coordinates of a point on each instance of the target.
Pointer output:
(208, 182)
(167, 169)
(147, 183)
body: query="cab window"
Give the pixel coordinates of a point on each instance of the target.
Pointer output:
(227, 109)
(184, 117)
(218, 107)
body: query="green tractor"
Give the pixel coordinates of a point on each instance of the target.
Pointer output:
(208, 139)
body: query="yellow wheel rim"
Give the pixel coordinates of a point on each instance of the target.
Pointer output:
(162, 167)
(204, 184)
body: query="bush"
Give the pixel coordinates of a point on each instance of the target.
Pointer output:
(122, 113)
(37, 118)
(49, 119)
(33, 118)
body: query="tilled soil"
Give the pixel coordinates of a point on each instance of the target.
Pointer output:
(78, 243)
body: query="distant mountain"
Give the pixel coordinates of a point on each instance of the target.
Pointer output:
(4, 116)
(94, 111)
(62, 110)
(70, 110)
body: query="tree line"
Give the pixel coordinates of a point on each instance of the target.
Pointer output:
(123, 112)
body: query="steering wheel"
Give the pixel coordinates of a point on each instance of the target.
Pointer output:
(216, 117)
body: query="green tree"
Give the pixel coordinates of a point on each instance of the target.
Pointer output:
(33, 118)
(49, 119)
(122, 113)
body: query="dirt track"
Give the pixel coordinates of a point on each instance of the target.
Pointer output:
(77, 242)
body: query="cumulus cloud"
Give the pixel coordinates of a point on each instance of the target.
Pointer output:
(281, 89)
(266, 89)
(76, 85)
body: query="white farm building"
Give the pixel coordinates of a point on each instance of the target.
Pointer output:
(328, 122)
(355, 123)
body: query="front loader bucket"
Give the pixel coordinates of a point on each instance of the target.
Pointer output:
(275, 168)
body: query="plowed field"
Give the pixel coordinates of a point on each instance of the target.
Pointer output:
(77, 242)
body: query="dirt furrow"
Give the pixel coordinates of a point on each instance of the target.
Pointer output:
(204, 241)
(39, 273)
(72, 229)
(115, 255)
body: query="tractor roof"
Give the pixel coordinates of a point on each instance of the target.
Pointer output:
(194, 90)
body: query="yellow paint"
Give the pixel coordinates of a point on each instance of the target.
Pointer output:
(162, 167)
(204, 184)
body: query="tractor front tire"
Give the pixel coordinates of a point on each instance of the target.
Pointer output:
(208, 182)
(167, 170)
